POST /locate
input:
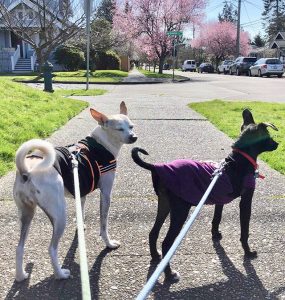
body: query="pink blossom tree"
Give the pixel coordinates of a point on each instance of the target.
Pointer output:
(148, 21)
(218, 39)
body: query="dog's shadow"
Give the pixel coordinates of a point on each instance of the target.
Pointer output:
(50, 288)
(237, 285)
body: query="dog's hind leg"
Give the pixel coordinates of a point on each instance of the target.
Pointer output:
(179, 210)
(162, 213)
(55, 208)
(26, 213)
(216, 234)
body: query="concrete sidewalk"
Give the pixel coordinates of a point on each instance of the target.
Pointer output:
(136, 76)
(167, 129)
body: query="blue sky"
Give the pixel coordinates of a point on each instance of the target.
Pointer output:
(251, 11)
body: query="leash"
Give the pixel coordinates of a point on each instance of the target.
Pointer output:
(161, 266)
(85, 283)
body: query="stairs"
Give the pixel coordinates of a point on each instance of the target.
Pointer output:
(23, 66)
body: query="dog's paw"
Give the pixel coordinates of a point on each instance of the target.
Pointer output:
(172, 277)
(250, 254)
(216, 235)
(112, 244)
(22, 276)
(64, 274)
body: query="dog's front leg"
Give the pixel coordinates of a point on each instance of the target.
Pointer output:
(216, 234)
(245, 213)
(105, 185)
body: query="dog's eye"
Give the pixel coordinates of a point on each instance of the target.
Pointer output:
(120, 129)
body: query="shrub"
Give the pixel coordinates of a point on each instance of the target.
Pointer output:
(70, 57)
(106, 61)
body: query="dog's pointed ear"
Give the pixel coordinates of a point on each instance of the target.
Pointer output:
(247, 118)
(271, 125)
(123, 108)
(99, 117)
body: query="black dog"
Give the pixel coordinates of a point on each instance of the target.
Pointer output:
(181, 184)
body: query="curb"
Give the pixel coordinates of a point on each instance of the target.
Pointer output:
(109, 83)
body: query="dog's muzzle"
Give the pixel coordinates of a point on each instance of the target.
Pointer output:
(132, 139)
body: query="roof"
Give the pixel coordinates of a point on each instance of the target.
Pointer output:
(280, 35)
(277, 44)
(34, 5)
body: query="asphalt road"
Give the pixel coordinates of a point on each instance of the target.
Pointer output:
(168, 130)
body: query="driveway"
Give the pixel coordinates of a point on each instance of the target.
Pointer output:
(167, 129)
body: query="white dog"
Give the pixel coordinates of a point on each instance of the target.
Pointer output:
(43, 175)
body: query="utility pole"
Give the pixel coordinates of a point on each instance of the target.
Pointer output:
(238, 30)
(87, 13)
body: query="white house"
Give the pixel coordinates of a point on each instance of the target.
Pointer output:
(15, 53)
(279, 45)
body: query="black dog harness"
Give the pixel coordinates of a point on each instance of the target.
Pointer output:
(93, 161)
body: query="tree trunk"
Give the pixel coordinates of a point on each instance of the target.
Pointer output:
(40, 60)
(161, 62)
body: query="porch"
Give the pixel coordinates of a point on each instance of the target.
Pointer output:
(15, 54)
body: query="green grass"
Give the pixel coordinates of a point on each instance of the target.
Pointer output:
(83, 92)
(27, 113)
(226, 116)
(150, 74)
(80, 76)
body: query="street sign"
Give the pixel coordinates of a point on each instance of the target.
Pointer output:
(174, 33)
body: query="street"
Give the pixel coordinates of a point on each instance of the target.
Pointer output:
(167, 129)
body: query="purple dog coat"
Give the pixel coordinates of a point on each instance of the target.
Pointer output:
(189, 179)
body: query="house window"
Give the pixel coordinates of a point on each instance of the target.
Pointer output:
(31, 15)
(20, 15)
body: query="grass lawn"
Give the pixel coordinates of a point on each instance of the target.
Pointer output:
(80, 76)
(83, 92)
(226, 116)
(150, 74)
(27, 113)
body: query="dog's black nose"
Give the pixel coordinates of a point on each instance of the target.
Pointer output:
(133, 139)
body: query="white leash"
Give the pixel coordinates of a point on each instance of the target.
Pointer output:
(85, 284)
(161, 266)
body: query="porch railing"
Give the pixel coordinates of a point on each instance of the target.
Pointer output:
(33, 60)
(15, 57)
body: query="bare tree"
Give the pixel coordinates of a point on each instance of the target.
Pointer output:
(44, 24)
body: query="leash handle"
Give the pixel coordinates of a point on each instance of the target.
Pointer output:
(84, 274)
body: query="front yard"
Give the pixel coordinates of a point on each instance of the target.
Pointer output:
(109, 76)
(27, 113)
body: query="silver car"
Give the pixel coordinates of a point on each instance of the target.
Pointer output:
(224, 67)
(267, 67)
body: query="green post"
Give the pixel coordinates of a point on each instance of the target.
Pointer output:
(47, 74)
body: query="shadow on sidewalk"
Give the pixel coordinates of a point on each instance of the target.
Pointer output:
(53, 289)
(238, 286)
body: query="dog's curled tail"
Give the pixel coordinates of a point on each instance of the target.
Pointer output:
(139, 161)
(46, 150)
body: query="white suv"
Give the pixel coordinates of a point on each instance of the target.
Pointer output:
(224, 67)
(189, 65)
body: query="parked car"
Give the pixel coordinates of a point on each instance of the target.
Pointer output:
(241, 65)
(166, 67)
(189, 65)
(205, 67)
(224, 67)
(267, 67)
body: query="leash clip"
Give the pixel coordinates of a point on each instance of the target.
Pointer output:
(258, 175)
(219, 169)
